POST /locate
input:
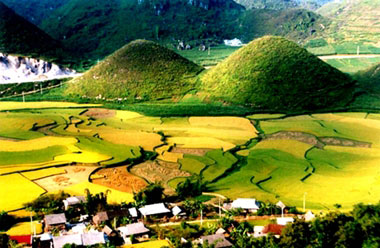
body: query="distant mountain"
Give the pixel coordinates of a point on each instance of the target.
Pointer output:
(282, 4)
(141, 70)
(98, 27)
(294, 24)
(272, 73)
(34, 10)
(20, 37)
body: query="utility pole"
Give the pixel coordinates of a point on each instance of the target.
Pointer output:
(304, 201)
(41, 88)
(209, 50)
(23, 96)
(31, 227)
(358, 50)
(220, 210)
(201, 217)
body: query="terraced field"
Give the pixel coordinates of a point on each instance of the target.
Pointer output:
(332, 158)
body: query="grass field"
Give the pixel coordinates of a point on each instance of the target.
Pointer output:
(206, 58)
(353, 65)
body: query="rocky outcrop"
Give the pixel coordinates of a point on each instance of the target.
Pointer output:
(14, 69)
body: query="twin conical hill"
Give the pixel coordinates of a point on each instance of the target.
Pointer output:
(20, 37)
(276, 74)
(140, 70)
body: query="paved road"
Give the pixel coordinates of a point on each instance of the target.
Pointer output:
(349, 56)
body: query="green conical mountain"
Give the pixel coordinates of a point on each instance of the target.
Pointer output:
(140, 70)
(276, 74)
(18, 36)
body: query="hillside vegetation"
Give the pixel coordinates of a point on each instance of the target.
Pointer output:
(97, 28)
(34, 10)
(294, 24)
(140, 70)
(369, 79)
(281, 4)
(354, 21)
(274, 73)
(20, 37)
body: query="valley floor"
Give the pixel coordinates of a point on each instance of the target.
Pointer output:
(49, 146)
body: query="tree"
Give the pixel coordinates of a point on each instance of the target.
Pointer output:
(4, 240)
(153, 193)
(191, 187)
(47, 204)
(240, 234)
(6, 221)
(95, 203)
(193, 207)
(299, 234)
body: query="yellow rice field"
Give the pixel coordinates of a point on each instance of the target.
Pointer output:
(114, 196)
(21, 191)
(35, 144)
(150, 244)
(200, 142)
(25, 228)
(38, 174)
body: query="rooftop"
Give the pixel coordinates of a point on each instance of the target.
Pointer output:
(54, 219)
(93, 238)
(133, 229)
(60, 241)
(217, 239)
(245, 203)
(158, 208)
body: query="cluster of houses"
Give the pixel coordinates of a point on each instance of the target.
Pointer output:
(99, 229)
(94, 230)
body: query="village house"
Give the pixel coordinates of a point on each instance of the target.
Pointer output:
(108, 231)
(135, 229)
(284, 220)
(100, 217)
(218, 240)
(247, 204)
(309, 216)
(154, 209)
(55, 221)
(72, 201)
(133, 212)
(274, 229)
(60, 241)
(177, 212)
(93, 238)
(258, 231)
(85, 239)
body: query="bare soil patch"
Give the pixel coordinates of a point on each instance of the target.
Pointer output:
(318, 142)
(99, 113)
(119, 178)
(298, 136)
(159, 171)
(74, 175)
(333, 141)
(192, 151)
